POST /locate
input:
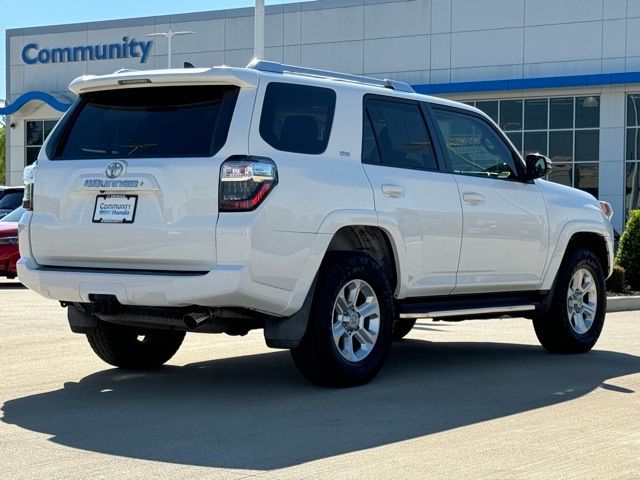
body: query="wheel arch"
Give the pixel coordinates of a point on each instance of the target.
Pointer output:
(593, 236)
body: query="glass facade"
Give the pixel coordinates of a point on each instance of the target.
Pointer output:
(566, 129)
(632, 156)
(36, 133)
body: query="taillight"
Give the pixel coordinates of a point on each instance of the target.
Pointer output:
(245, 182)
(28, 177)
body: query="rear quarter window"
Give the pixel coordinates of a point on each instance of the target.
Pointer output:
(154, 122)
(297, 118)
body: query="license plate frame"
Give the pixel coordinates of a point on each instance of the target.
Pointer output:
(117, 218)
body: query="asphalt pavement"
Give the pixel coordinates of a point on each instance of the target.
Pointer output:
(477, 399)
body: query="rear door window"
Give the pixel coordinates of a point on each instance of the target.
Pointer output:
(400, 133)
(155, 122)
(297, 118)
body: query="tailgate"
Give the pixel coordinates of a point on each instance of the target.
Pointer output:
(130, 178)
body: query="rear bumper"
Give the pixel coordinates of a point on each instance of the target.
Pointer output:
(225, 286)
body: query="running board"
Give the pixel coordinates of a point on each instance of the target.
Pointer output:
(470, 312)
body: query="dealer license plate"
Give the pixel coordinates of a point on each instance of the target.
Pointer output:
(115, 208)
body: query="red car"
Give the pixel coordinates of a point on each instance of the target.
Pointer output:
(9, 253)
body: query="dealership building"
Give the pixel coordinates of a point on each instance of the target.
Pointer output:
(561, 77)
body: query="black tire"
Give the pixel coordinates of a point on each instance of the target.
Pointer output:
(317, 357)
(402, 327)
(554, 328)
(118, 345)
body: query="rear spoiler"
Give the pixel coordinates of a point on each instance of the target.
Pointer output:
(240, 77)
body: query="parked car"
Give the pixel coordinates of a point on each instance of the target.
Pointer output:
(9, 253)
(330, 210)
(10, 199)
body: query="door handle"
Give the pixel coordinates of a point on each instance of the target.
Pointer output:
(473, 198)
(393, 191)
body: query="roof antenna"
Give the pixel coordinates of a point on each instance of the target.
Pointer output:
(188, 65)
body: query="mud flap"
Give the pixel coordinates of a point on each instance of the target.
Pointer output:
(287, 332)
(79, 321)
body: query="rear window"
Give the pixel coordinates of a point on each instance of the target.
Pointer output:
(156, 122)
(297, 118)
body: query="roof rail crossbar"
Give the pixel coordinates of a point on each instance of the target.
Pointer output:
(275, 67)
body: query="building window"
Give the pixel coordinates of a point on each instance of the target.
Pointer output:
(566, 129)
(632, 157)
(36, 133)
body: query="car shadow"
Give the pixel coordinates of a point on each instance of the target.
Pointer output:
(9, 285)
(256, 412)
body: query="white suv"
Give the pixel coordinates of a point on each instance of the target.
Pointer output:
(327, 209)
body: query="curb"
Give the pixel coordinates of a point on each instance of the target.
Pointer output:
(623, 304)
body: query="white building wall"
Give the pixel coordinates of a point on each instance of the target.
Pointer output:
(418, 41)
(426, 41)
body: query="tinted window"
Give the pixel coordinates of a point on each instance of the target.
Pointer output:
(297, 118)
(369, 148)
(511, 114)
(11, 200)
(148, 122)
(561, 112)
(473, 147)
(401, 134)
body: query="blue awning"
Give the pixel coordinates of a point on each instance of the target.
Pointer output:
(57, 102)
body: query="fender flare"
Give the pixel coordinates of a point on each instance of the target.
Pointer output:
(287, 332)
(568, 231)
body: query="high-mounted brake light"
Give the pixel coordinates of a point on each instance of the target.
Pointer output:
(245, 182)
(134, 81)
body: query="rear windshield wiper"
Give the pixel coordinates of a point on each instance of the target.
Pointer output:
(136, 146)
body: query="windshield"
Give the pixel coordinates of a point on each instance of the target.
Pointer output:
(14, 216)
(11, 200)
(156, 122)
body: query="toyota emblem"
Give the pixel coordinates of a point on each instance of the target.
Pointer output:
(114, 170)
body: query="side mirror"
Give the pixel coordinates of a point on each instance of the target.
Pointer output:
(537, 165)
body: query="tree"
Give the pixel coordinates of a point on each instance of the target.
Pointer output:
(629, 250)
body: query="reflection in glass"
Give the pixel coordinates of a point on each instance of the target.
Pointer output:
(633, 186)
(587, 145)
(511, 114)
(587, 112)
(535, 142)
(586, 177)
(535, 114)
(633, 110)
(633, 137)
(34, 133)
(490, 108)
(561, 112)
(561, 146)
(516, 139)
(48, 126)
(32, 154)
(561, 173)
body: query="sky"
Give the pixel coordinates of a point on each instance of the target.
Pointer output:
(33, 13)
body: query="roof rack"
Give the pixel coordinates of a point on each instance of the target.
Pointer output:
(275, 67)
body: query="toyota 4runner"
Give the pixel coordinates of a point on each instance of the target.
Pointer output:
(329, 210)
